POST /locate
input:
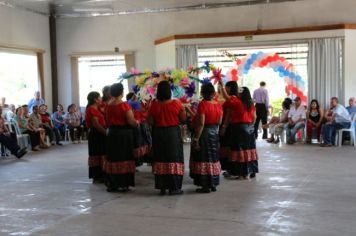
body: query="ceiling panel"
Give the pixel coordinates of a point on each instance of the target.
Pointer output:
(82, 8)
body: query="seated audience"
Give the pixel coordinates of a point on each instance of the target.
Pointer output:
(10, 114)
(9, 140)
(296, 120)
(352, 106)
(315, 116)
(47, 124)
(276, 125)
(22, 119)
(73, 122)
(58, 119)
(35, 123)
(336, 118)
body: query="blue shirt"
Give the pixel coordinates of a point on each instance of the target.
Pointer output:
(351, 109)
(34, 102)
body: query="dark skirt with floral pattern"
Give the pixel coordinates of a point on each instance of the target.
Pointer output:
(119, 165)
(204, 163)
(97, 153)
(243, 158)
(142, 144)
(168, 158)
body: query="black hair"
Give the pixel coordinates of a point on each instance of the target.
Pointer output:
(116, 90)
(34, 107)
(106, 93)
(92, 96)
(233, 87)
(17, 110)
(207, 91)
(70, 106)
(286, 105)
(246, 98)
(262, 84)
(24, 105)
(317, 104)
(164, 91)
(129, 96)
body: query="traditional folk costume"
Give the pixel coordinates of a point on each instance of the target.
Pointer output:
(119, 165)
(243, 158)
(96, 144)
(204, 163)
(168, 157)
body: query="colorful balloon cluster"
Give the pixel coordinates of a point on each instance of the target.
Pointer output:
(183, 82)
(285, 69)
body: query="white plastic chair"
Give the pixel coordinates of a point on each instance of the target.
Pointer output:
(351, 130)
(22, 139)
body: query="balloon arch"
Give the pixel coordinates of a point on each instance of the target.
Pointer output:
(294, 83)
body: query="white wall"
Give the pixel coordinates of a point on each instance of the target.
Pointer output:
(25, 29)
(138, 32)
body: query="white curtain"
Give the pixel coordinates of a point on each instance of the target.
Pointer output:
(187, 55)
(325, 70)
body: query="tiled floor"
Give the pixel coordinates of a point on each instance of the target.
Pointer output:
(301, 190)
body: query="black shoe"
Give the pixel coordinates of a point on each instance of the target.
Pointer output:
(162, 192)
(203, 190)
(111, 190)
(213, 189)
(59, 144)
(176, 192)
(253, 175)
(21, 152)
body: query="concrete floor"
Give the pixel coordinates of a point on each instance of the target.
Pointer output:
(301, 190)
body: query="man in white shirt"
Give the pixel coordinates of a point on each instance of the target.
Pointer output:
(339, 118)
(296, 120)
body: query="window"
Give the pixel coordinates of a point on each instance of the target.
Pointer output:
(95, 72)
(19, 76)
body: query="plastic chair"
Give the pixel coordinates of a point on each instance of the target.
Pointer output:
(22, 139)
(351, 130)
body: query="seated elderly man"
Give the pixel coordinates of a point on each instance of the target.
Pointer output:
(9, 140)
(352, 106)
(296, 120)
(336, 118)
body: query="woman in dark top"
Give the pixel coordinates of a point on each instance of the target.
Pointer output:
(315, 117)
(95, 121)
(204, 159)
(120, 164)
(166, 115)
(243, 158)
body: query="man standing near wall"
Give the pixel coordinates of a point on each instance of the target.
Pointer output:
(260, 97)
(36, 101)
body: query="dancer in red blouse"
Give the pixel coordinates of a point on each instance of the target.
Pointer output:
(120, 164)
(243, 158)
(165, 116)
(230, 90)
(204, 159)
(95, 121)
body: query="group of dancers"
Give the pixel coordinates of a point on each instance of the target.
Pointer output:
(123, 134)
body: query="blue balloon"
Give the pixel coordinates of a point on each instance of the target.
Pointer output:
(292, 75)
(275, 69)
(254, 57)
(281, 74)
(259, 53)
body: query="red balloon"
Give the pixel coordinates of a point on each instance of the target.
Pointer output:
(233, 72)
(238, 62)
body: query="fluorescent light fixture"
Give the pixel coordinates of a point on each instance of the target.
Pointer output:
(93, 9)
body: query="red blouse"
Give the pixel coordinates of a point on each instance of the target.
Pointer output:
(93, 112)
(239, 112)
(46, 118)
(141, 116)
(166, 114)
(212, 111)
(116, 114)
